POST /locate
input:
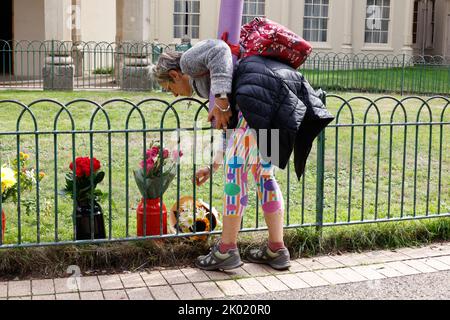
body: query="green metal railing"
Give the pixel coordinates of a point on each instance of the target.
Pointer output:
(103, 65)
(379, 73)
(381, 160)
(88, 65)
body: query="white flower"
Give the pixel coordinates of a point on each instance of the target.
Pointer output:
(30, 175)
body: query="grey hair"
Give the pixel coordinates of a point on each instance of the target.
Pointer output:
(168, 60)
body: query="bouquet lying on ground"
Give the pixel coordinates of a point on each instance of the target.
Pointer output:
(182, 218)
(85, 180)
(11, 176)
(156, 171)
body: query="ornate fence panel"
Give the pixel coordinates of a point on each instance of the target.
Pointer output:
(380, 160)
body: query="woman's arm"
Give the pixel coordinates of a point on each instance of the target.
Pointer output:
(213, 56)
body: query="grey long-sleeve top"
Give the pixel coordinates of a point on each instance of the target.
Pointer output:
(209, 64)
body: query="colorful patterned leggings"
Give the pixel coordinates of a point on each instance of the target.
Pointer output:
(242, 156)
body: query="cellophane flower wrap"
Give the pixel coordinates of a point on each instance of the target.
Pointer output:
(156, 171)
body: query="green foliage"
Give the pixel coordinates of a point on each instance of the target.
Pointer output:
(85, 188)
(108, 70)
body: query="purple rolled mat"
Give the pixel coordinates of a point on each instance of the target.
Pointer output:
(230, 19)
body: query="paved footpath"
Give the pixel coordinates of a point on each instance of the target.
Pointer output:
(310, 276)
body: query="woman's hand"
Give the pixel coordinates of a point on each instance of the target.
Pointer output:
(201, 176)
(222, 118)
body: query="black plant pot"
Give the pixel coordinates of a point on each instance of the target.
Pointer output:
(83, 221)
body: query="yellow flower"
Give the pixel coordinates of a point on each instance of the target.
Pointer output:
(24, 156)
(41, 175)
(8, 178)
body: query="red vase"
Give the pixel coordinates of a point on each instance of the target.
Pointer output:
(3, 225)
(153, 220)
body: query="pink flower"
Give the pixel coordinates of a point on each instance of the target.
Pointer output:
(165, 153)
(176, 155)
(155, 151)
(150, 164)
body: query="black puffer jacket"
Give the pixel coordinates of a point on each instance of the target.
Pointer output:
(272, 95)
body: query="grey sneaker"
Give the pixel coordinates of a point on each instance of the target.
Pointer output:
(219, 261)
(279, 260)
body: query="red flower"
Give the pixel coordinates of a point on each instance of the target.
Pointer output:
(83, 166)
(165, 154)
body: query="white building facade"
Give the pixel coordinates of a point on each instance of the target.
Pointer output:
(350, 26)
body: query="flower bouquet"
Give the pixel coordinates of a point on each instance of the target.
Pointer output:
(86, 196)
(10, 178)
(206, 219)
(154, 176)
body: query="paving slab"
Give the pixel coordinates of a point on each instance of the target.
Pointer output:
(230, 287)
(132, 280)
(368, 272)
(252, 286)
(19, 288)
(256, 269)
(195, 275)
(44, 297)
(90, 283)
(350, 274)
(115, 295)
(209, 290)
(110, 282)
(139, 294)
(419, 266)
(174, 276)
(272, 283)
(292, 281)
(312, 279)
(42, 287)
(92, 295)
(153, 278)
(331, 276)
(403, 268)
(186, 291)
(67, 296)
(3, 289)
(163, 293)
(67, 285)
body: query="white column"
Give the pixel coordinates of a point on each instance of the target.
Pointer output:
(136, 20)
(408, 9)
(347, 43)
(154, 21)
(58, 20)
(77, 53)
(285, 5)
(119, 20)
(76, 20)
(133, 32)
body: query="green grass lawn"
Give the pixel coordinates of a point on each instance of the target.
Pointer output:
(416, 80)
(378, 189)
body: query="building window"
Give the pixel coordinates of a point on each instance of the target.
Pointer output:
(377, 21)
(186, 19)
(253, 9)
(315, 21)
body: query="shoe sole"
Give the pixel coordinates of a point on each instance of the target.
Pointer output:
(220, 267)
(273, 265)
